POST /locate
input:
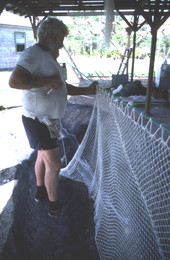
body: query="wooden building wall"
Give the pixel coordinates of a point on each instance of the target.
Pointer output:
(8, 49)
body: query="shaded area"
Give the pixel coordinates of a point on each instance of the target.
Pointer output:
(34, 235)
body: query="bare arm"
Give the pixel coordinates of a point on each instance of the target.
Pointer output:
(91, 90)
(21, 79)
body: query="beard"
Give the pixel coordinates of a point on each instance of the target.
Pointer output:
(54, 48)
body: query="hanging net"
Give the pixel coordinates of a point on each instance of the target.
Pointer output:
(124, 163)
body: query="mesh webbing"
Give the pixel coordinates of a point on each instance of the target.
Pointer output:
(125, 167)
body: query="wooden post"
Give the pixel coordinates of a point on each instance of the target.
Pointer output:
(151, 70)
(135, 28)
(33, 21)
(155, 18)
(129, 31)
(2, 6)
(109, 8)
(133, 55)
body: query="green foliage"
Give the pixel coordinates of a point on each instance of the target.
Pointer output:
(70, 28)
(118, 38)
(88, 40)
(141, 53)
(112, 53)
(165, 44)
(2, 108)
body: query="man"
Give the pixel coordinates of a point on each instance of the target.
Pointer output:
(40, 77)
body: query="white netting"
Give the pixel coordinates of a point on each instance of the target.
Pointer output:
(125, 167)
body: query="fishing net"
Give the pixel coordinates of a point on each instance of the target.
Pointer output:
(124, 163)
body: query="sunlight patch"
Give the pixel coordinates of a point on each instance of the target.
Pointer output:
(6, 191)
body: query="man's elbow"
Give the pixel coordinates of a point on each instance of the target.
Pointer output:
(12, 83)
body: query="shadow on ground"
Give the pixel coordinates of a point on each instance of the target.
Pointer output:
(35, 235)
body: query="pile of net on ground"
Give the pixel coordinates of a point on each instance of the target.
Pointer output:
(124, 164)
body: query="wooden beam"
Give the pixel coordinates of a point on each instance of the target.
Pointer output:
(124, 18)
(2, 6)
(16, 7)
(140, 26)
(151, 70)
(161, 21)
(34, 23)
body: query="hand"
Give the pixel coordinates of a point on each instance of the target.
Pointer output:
(92, 88)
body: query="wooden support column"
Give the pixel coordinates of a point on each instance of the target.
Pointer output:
(134, 44)
(129, 29)
(133, 27)
(133, 55)
(151, 70)
(2, 6)
(109, 9)
(136, 27)
(34, 23)
(155, 17)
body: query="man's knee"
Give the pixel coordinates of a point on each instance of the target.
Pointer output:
(51, 159)
(53, 167)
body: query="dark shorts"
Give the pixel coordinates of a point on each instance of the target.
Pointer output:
(38, 134)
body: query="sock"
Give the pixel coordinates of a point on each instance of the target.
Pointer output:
(41, 192)
(41, 188)
(54, 205)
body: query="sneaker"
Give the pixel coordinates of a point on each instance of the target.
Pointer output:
(55, 213)
(41, 194)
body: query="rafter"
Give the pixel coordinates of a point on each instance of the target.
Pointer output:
(39, 7)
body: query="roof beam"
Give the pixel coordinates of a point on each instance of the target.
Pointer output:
(16, 6)
(127, 7)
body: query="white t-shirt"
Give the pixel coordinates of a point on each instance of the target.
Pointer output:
(36, 101)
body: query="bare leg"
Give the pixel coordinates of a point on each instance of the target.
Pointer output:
(52, 162)
(39, 170)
